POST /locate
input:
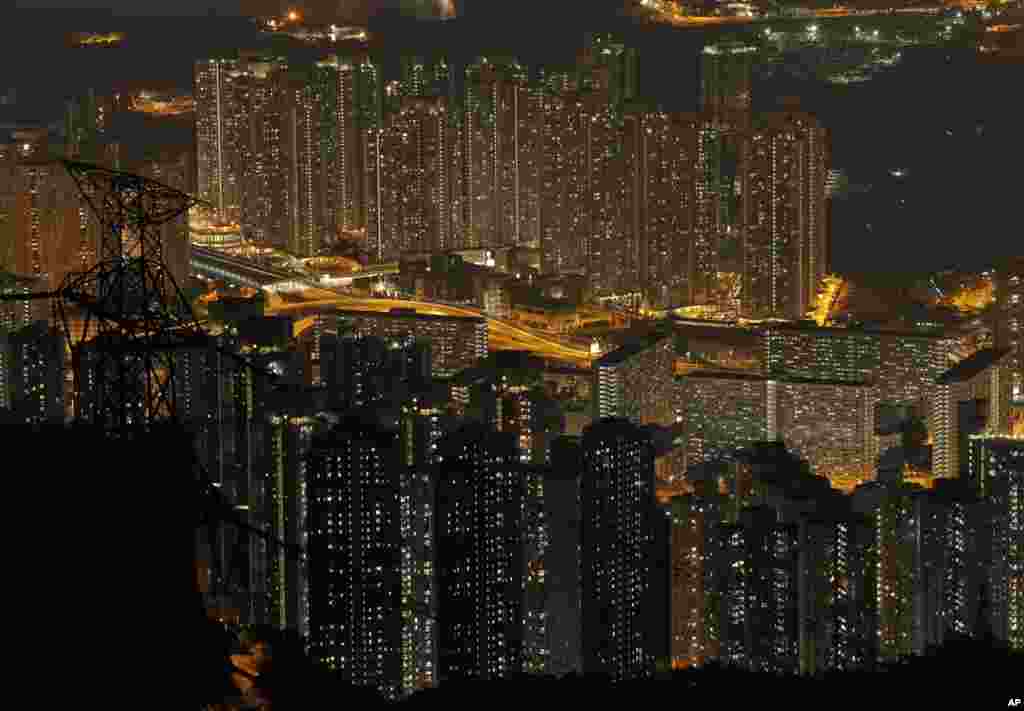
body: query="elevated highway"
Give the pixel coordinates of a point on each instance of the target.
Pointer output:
(502, 334)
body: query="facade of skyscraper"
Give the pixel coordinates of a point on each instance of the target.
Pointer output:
(32, 373)
(977, 379)
(293, 420)
(830, 424)
(902, 367)
(667, 150)
(250, 438)
(721, 413)
(174, 168)
(760, 593)
(564, 224)
(221, 134)
(783, 227)
(347, 175)
(363, 370)
(505, 393)
(1009, 326)
(17, 314)
(635, 382)
(562, 556)
(479, 515)
(997, 470)
(456, 343)
(536, 539)
(696, 574)
(306, 170)
(415, 178)
(46, 229)
(642, 202)
(423, 425)
(837, 598)
(354, 543)
(954, 560)
(623, 613)
(265, 207)
(896, 511)
(501, 161)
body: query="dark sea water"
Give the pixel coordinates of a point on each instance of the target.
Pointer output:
(954, 125)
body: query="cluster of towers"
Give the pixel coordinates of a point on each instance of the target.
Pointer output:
(491, 153)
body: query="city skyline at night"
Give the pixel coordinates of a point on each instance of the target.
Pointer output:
(652, 347)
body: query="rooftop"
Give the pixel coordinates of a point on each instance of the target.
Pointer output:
(732, 335)
(405, 313)
(710, 374)
(857, 331)
(973, 366)
(621, 355)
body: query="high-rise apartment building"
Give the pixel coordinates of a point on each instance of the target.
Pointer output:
(562, 556)
(46, 229)
(222, 134)
(696, 612)
(623, 611)
(721, 413)
(536, 539)
(479, 515)
(363, 370)
(635, 382)
(760, 593)
(269, 152)
(175, 168)
(309, 228)
(953, 555)
(423, 423)
(564, 220)
(456, 342)
(896, 511)
(504, 392)
(250, 437)
(347, 175)
(667, 149)
(977, 379)
(500, 158)
(415, 179)
(613, 170)
(1009, 326)
(830, 424)
(32, 373)
(17, 314)
(265, 202)
(294, 419)
(785, 251)
(354, 542)
(903, 367)
(997, 470)
(837, 598)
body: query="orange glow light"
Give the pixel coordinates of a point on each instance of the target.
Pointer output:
(293, 16)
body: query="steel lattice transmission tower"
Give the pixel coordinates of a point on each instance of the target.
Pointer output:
(132, 314)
